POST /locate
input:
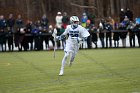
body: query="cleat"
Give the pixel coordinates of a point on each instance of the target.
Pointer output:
(61, 73)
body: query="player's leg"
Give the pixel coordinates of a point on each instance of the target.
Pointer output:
(63, 63)
(73, 54)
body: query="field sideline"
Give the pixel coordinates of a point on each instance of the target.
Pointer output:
(94, 71)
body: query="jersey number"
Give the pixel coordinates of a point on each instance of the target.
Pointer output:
(74, 35)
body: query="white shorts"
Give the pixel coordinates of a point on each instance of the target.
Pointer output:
(71, 47)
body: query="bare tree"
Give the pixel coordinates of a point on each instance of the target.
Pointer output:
(112, 8)
(28, 8)
(34, 9)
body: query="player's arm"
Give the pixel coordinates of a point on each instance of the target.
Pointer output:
(84, 33)
(63, 35)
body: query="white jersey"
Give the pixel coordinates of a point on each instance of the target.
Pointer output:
(58, 20)
(74, 36)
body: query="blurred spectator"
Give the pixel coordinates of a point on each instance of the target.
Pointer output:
(89, 28)
(51, 38)
(131, 31)
(38, 42)
(58, 20)
(101, 33)
(94, 36)
(65, 20)
(29, 27)
(64, 39)
(123, 34)
(3, 33)
(122, 15)
(137, 30)
(84, 19)
(129, 14)
(10, 28)
(126, 21)
(19, 32)
(137, 20)
(44, 31)
(38, 24)
(108, 27)
(45, 36)
(58, 26)
(44, 21)
(111, 22)
(124, 25)
(116, 36)
(91, 17)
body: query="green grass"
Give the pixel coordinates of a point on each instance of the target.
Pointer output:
(94, 71)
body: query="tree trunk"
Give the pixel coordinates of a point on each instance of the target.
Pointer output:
(43, 7)
(112, 7)
(28, 8)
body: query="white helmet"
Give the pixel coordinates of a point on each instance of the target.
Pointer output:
(74, 20)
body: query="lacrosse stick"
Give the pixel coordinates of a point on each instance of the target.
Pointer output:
(54, 36)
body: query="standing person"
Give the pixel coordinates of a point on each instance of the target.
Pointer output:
(58, 20)
(101, 33)
(44, 24)
(2, 32)
(89, 27)
(29, 37)
(39, 39)
(131, 31)
(123, 26)
(51, 38)
(108, 27)
(94, 37)
(91, 17)
(122, 15)
(65, 20)
(84, 19)
(137, 31)
(35, 32)
(76, 33)
(129, 14)
(10, 27)
(19, 33)
(116, 36)
(44, 21)
(123, 34)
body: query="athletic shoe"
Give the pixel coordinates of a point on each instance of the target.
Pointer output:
(61, 73)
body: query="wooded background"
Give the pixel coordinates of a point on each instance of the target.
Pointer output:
(34, 9)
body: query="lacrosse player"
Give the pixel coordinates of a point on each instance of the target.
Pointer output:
(76, 33)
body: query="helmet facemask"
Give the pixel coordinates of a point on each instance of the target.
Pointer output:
(75, 24)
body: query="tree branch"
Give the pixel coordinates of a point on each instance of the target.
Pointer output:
(81, 6)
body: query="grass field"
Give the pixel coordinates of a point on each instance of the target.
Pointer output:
(94, 71)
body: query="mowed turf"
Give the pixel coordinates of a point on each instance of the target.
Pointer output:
(93, 71)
